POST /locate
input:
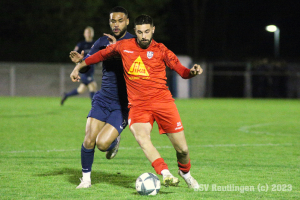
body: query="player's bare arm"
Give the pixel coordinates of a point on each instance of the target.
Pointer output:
(75, 73)
(196, 70)
(76, 57)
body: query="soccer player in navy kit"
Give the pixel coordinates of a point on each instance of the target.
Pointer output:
(109, 113)
(87, 78)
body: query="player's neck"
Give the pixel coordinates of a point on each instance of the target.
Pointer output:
(89, 39)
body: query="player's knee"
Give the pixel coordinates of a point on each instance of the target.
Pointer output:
(82, 88)
(183, 152)
(102, 146)
(89, 143)
(93, 86)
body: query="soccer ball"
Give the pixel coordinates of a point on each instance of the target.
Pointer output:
(147, 184)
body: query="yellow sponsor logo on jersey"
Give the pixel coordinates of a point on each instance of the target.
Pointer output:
(138, 68)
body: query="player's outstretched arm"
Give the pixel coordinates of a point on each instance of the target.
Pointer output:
(75, 73)
(196, 70)
(76, 57)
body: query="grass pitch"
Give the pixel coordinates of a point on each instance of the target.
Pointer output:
(240, 149)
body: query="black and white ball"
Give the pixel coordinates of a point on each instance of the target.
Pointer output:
(147, 184)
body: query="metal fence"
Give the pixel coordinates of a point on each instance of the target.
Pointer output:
(37, 79)
(253, 80)
(219, 79)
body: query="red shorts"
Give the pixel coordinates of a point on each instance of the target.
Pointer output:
(165, 114)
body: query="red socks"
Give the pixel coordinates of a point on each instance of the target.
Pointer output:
(185, 168)
(159, 165)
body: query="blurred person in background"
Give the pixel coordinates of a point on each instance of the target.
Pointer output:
(87, 78)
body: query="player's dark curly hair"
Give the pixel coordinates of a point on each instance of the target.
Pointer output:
(143, 19)
(119, 9)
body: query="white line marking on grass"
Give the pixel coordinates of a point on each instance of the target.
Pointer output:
(247, 129)
(244, 145)
(38, 151)
(159, 147)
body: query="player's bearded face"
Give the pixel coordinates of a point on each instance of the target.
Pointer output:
(118, 23)
(144, 35)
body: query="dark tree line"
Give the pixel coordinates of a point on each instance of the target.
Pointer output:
(34, 30)
(46, 31)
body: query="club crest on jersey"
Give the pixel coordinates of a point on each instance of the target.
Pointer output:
(149, 54)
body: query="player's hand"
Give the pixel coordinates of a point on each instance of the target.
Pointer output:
(195, 70)
(75, 75)
(111, 39)
(76, 57)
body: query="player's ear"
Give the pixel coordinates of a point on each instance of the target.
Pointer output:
(127, 21)
(153, 29)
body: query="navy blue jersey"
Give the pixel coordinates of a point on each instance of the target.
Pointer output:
(113, 87)
(86, 47)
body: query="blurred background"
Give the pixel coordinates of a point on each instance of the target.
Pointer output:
(241, 59)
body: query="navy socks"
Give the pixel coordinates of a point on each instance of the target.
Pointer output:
(72, 93)
(87, 159)
(112, 145)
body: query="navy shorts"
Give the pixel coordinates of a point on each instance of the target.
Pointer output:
(86, 78)
(111, 113)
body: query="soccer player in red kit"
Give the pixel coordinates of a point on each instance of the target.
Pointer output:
(144, 61)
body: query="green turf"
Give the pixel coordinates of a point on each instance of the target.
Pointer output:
(231, 141)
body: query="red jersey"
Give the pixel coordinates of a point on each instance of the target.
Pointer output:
(144, 69)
